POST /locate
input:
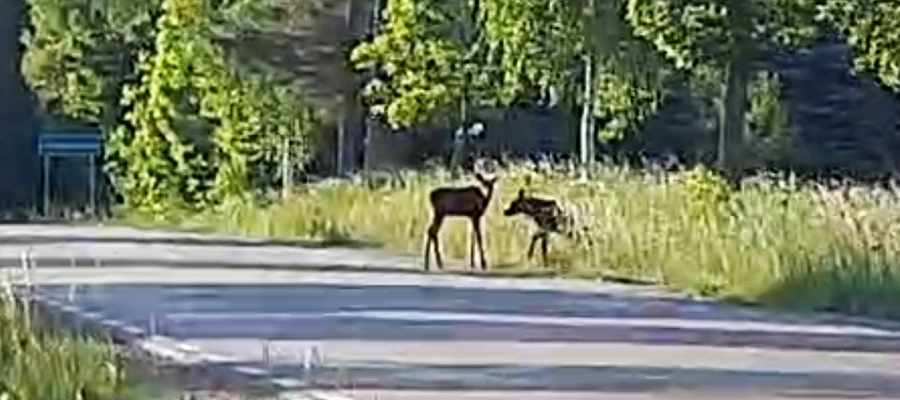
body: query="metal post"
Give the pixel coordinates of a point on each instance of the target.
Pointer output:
(286, 179)
(587, 127)
(586, 115)
(152, 324)
(72, 291)
(46, 185)
(592, 136)
(26, 268)
(92, 185)
(374, 25)
(341, 137)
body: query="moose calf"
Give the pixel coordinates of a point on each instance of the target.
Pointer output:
(469, 202)
(547, 214)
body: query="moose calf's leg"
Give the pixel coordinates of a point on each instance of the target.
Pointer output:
(427, 254)
(433, 231)
(534, 239)
(435, 240)
(471, 237)
(544, 239)
(476, 224)
(437, 254)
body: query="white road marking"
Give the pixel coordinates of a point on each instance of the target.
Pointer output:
(498, 318)
(253, 371)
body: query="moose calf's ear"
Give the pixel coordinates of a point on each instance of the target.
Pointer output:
(521, 193)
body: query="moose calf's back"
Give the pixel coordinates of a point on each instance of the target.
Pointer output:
(546, 213)
(457, 201)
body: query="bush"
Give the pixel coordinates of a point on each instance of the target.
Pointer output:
(773, 240)
(37, 364)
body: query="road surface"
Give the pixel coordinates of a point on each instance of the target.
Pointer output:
(372, 327)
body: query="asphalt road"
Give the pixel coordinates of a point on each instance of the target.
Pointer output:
(390, 332)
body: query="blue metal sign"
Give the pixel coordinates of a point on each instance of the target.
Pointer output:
(74, 144)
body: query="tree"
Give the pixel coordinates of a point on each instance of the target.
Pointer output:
(421, 60)
(871, 28)
(723, 38)
(80, 53)
(154, 155)
(581, 52)
(199, 128)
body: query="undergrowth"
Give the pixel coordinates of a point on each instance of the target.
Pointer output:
(774, 240)
(44, 364)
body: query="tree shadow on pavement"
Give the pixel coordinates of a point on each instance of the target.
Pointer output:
(398, 312)
(184, 240)
(532, 375)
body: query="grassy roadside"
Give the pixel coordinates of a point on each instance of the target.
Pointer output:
(40, 362)
(773, 241)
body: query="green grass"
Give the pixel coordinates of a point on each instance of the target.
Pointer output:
(42, 364)
(773, 241)
(41, 361)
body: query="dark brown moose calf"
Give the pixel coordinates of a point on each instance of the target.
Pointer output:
(469, 202)
(546, 214)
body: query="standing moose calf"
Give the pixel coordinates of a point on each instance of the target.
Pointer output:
(547, 214)
(469, 202)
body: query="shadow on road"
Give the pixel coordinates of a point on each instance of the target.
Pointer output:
(186, 241)
(334, 265)
(531, 375)
(401, 331)
(383, 264)
(312, 311)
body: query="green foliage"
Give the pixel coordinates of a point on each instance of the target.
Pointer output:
(723, 37)
(47, 365)
(79, 53)
(189, 127)
(707, 193)
(198, 129)
(791, 23)
(251, 131)
(770, 240)
(157, 164)
(628, 71)
(770, 135)
(700, 32)
(871, 28)
(688, 34)
(425, 51)
(202, 129)
(513, 51)
(527, 42)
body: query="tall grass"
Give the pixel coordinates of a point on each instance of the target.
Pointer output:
(40, 364)
(774, 240)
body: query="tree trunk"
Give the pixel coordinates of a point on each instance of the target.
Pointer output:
(460, 138)
(734, 104)
(733, 111)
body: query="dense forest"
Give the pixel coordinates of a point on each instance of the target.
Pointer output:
(18, 158)
(201, 101)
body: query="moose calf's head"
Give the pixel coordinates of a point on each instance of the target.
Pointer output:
(518, 205)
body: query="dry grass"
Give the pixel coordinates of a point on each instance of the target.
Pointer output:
(774, 240)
